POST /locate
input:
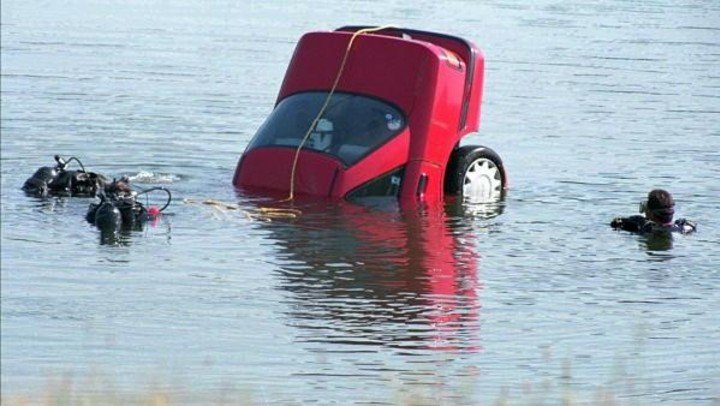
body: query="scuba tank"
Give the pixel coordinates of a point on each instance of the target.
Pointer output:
(106, 216)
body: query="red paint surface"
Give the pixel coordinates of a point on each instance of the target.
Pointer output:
(421, 75)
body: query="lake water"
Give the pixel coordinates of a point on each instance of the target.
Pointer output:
(589, 105)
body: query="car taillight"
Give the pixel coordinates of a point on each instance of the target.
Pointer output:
(452, 59)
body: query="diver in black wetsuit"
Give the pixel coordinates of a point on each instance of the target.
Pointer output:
(59, 181)
(659, 211)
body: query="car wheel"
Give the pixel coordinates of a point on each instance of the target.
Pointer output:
(476, 175)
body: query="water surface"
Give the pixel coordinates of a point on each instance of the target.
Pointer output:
(590, 106)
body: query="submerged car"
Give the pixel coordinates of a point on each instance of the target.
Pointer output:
(395, 104)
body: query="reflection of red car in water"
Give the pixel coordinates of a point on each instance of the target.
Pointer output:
(392, 126)
(400, 279)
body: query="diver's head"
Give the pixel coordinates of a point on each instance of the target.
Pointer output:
(660, 206)
(39, 184)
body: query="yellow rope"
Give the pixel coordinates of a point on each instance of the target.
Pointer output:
(260, 213)
(291, 196)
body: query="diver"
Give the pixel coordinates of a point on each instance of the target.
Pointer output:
(659, 210)
(58, 181)
(119, 207)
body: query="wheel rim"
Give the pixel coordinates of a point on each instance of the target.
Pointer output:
(482, 182)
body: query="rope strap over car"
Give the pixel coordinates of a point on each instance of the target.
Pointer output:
(356, 34)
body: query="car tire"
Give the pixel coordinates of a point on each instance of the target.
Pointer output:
(476, 175)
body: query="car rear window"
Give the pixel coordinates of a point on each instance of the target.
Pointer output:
(350, 128)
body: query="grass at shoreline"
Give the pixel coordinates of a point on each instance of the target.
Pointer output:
(61, 392)
(99, 390)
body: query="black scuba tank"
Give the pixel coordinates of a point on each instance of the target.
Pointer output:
(108, 216)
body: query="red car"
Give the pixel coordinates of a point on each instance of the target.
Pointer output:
(390, 127)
